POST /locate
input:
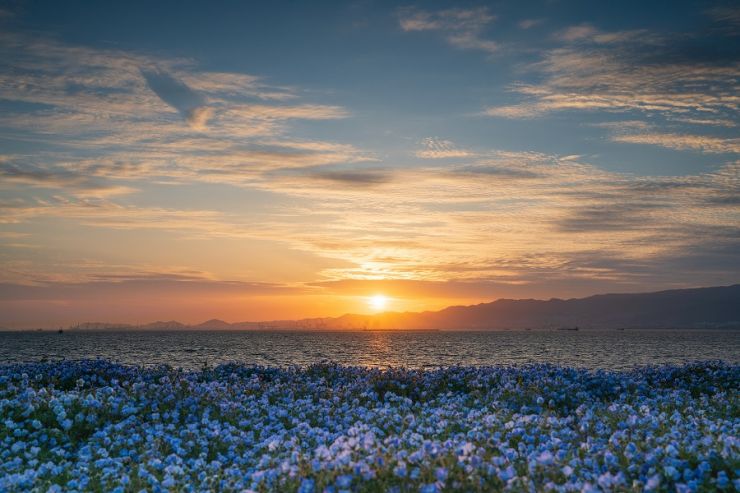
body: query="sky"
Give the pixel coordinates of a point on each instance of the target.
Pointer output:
(277, 160)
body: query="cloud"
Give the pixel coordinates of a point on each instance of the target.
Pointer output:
(225, 85)
(726, 15)
(588, 33)
(436, 148)
(530, 23)
(103, 213)
(507, 218)
(497, 217)
(469, 20)
(515, 111)
(305, 112)
(402, 288)
(106, 118)
(178, 95)
(703, 143)
(462, 27)
(719, 122)
(353, 178)
(641, 132)
(139, 286)
(628, 72)
(82, 185)
(624, 125)
(575, 33)
(470, 222)
(198, 117)
(615, 216)
(498, 171)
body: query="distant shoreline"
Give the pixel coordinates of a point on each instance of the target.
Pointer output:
(693, 308)
(354, 330)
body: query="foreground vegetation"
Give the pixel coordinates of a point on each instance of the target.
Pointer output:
(99, 426)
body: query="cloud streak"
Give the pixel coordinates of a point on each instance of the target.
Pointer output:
(119, 106)
(628, 72)
(704, 143)
(435, 148)
(462, 28)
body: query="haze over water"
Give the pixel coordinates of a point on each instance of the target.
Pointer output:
(610, 349)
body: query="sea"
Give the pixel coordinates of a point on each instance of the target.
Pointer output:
(595, 349)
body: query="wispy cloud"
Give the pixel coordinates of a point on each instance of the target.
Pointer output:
(588, 33)
(148, 284)
(704, 143)
(530, 23)
(101, 212)
(712, 122)
(344, 177)
(463, 28)
(436, 148)
(642, 132)
(284, 112)
(471, 222)
(727, 15)
(119, 106)
(627, 72)
(79, 184)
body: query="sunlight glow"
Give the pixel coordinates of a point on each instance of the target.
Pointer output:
(378, 302)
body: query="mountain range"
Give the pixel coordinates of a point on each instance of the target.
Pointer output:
(680, 308)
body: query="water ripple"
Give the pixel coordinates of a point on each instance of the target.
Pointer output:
(193, 349)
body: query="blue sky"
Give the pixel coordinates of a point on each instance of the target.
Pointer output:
(294, 158)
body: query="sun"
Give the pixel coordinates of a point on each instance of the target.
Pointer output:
(378, 302)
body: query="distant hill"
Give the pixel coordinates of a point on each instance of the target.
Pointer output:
(101, 326)
(214, 324)
(679, 308)
(170, 325)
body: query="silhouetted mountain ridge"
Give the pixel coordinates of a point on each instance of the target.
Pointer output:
(678, 308)
(698, 307)
(214, 323)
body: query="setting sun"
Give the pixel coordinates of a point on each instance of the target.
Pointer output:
(378, 302)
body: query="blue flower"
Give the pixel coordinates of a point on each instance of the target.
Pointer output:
(344, 481)
(307, 485)
(652, 483)
(400, 470)
(722, 480)
(237, 427)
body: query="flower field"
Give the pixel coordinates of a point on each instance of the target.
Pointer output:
(99, 426)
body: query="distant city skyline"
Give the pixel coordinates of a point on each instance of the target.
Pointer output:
(173, 160)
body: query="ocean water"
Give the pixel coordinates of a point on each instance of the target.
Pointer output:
(611, 349)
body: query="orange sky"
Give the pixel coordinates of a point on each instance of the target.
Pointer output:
(245, 169)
